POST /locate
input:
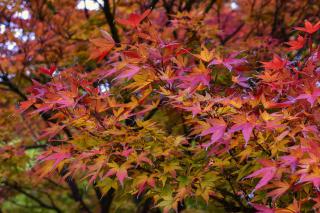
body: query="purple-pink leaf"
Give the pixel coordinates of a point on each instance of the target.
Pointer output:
(310, 97)
(246, 129)
(121, 175)
(58, 157)
(217, 129)
(261, 208)
(229, 62)
(266, 174)
(129, 72)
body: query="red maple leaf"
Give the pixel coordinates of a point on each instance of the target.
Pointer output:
(102, 46)
(49, 71)
(276, 63)
(309, 28)
(297, 44)
(24, 105)
(134, 19)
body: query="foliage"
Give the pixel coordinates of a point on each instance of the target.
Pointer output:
(184, 105)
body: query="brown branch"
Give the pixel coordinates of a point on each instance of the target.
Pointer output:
(105, 201)
(209, 6)
(276, 17)
(230, 36)
(110, 19)
(152, 4)
(86, 11)
(32, 197)
(75, 192)
(168, 6)
(189, 5)
(6, 81)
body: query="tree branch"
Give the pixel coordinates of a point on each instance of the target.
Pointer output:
(32, 197)
(209, 6)
(75, 193)
(105, 201)
(110, 19)
(230, 36)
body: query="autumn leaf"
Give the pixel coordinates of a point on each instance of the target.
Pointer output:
(297, 44)
(266, 174)
(128, 73)
(56, 157)
(134, 19)
(49, 71)
(144, 181)
(309, 28)
(280, 189)
(262, 208)
(311, 97)
(246, 127)
(24, 105)
(102, 46)
(228, 62)
(205, 54)
(217, 130)
(276, 63)
(242, 81)
(120, 171)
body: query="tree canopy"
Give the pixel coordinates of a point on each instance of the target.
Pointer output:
(160, 106)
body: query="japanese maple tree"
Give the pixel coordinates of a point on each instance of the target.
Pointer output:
(160, 106)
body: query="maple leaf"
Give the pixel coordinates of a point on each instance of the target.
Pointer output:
(171, 168)
(229, 62)
(311, 97)
(217, 129)
(205, 54)
(51, 131)
(311, 178)
(65, 99)
(24, 105)
(132, 54)
(192, 81)
(240, 81)
(273, 105)
(309, 28)
(129, 72)
(125, 152)
(297, 44)
(142, 157)
(57, 157)
(266, 174)
(120, 172)
(281, 188)
(276, 64)
(143, 181)
(195, 109)
(49, 71)
(107, 36)
(262, 208)
(134, 19)
(102, 46)
(245, 126)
